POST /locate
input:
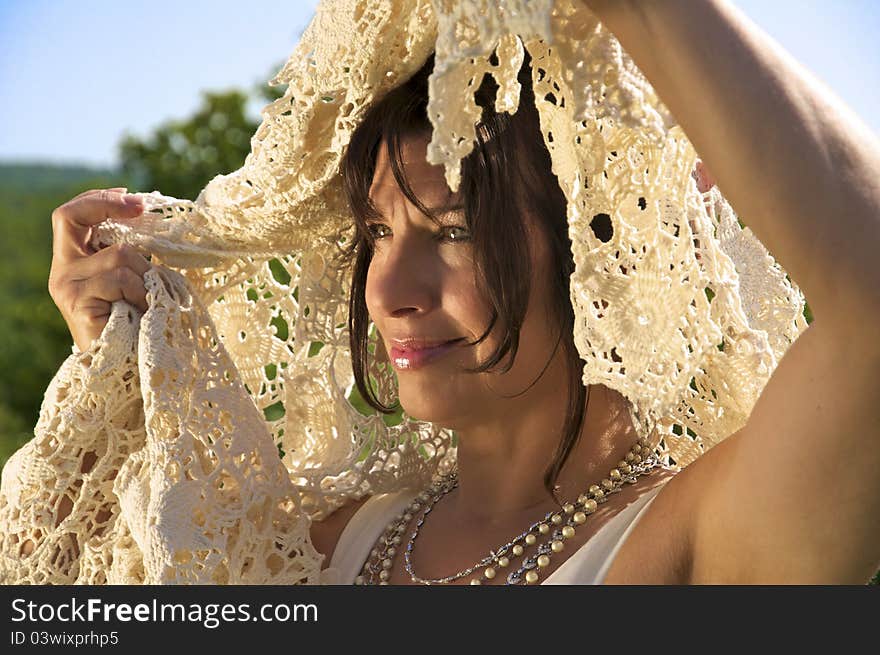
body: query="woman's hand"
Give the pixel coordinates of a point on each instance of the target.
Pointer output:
(705, 179)
(83, 282)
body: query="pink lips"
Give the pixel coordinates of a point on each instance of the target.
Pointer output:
(404, 359)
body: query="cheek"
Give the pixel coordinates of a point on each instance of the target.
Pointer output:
(472, 311)
(468, 307)
(368, 294)
(373, 289)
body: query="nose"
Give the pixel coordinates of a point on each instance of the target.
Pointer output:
(404, 276)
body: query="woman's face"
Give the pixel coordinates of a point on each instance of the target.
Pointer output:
(421, 285)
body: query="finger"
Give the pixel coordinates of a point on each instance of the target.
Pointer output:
(70, 237)
(122, 189)
(705, 181)
(91, 320)
(107, 259)
(72, 221)
(92, 314)
(118, 284)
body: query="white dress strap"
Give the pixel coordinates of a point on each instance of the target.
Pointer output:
(361, 533)
(590, 563)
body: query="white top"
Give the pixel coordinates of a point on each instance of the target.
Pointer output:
(588, 565)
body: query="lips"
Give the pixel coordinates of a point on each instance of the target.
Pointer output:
(418, 353)
(414, 343)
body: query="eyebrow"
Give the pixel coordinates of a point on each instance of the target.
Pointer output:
(442, 209)
(448, 208)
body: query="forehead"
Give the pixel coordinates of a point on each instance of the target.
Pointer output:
(426, 180)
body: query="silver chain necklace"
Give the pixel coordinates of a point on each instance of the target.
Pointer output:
(639, 461)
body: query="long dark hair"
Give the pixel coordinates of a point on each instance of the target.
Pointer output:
(508, 171)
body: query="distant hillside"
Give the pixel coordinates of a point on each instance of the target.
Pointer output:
(33, 336)
(39, 177)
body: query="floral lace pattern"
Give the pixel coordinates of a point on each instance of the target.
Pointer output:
(196, 442)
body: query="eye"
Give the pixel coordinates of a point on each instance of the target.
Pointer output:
(449, 229)
(452, 233)
(372, 229)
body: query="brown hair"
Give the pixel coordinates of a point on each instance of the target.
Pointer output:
(508, 170)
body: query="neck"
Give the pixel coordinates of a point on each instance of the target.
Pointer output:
(501, 480)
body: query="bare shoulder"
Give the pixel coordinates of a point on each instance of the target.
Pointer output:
(659, 550)
(325, 533)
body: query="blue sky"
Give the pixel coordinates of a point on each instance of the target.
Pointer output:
(74, 76)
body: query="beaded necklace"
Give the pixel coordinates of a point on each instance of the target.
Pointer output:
(640, 460)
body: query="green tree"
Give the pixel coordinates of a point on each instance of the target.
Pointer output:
(178, 158)
(181, 156)
(33, 336)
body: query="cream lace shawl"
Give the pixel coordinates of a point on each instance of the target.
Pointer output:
(162, 443)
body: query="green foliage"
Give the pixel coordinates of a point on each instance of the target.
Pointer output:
(14, 432)
(178, 159)
(181, 157)
(33, 336)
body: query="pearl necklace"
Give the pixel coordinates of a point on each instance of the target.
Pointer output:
(640, 460)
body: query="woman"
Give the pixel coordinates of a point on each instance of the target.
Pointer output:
(745, 511)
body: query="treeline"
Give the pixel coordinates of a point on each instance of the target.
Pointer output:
(178, 158)
(33, 336)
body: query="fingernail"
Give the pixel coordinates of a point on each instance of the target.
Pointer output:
(132, 199)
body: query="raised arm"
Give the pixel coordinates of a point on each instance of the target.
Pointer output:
(793, 496)
(795, 162)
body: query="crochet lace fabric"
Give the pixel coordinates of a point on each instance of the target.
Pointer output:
(196, 442)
